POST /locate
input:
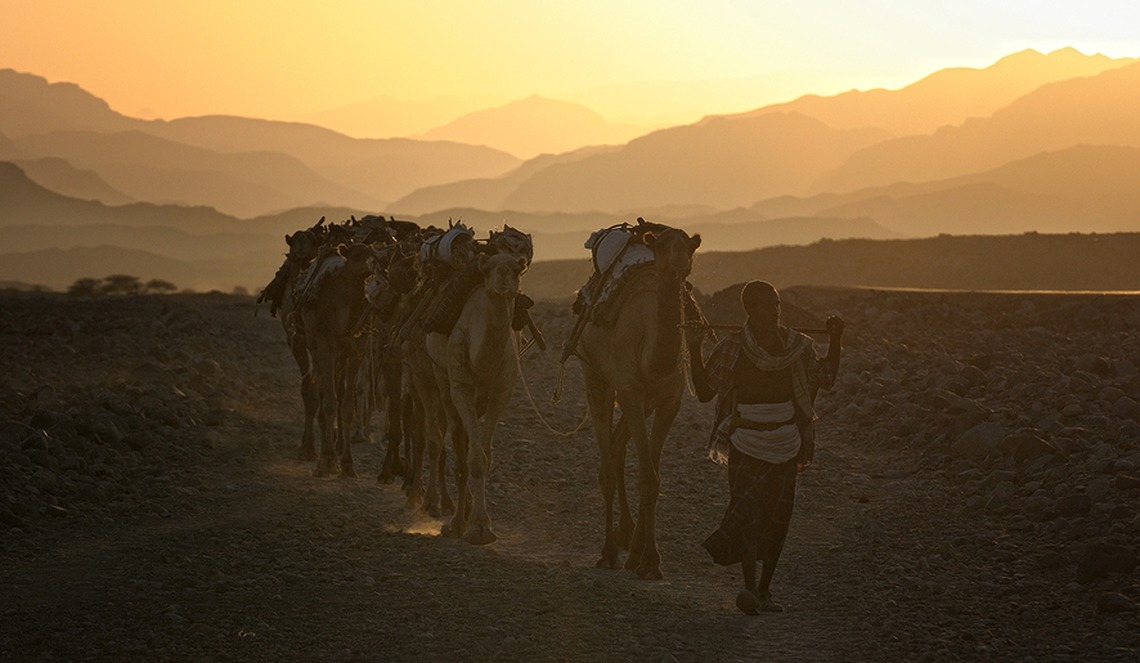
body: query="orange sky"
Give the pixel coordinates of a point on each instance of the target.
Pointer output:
(273, 59)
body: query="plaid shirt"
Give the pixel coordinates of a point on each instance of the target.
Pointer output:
(725, 358)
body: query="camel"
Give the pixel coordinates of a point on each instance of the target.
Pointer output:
(637, 361)
(476, 368)
(385, 288)
(303, 248)
(332, 307)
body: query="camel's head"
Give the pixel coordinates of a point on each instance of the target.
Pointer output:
(356, 258)
(304, 244)
(501, 273)
(513, 241)
(402, 269)
(673, 250)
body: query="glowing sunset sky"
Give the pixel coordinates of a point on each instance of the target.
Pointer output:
(275, 59)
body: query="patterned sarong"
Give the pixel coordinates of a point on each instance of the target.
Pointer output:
(759, 509)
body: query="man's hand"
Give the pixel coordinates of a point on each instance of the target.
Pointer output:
(834, 326)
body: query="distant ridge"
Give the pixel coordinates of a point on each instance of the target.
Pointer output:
(948, 96)
(250, 155)
(533, 126)
(1098, 110)
(1009, 262)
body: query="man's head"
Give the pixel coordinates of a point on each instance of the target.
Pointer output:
(761, 302)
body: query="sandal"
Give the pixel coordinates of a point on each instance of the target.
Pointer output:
(748, 602)
(766, 604)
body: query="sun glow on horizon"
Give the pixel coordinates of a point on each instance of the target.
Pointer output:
(257, 59)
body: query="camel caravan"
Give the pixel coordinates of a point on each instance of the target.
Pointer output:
(427, 325)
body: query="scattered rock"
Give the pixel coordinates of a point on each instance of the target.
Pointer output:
(1110, 603)
(979, 441)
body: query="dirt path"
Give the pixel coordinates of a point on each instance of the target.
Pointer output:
(247, 557)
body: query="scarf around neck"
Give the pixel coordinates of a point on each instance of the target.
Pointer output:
(795, 345)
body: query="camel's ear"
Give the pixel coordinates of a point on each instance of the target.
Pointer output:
(523, 264)
(695, 241)
(648, 237)
(342, 250)
(289, 239)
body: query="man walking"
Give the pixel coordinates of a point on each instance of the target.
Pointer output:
(765, 378)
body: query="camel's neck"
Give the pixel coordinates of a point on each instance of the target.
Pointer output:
(666, 349)
(496, 330)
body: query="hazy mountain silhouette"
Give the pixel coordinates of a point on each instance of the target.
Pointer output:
(720, 236)
(1096, 110)
(62, 177)
(1086, 187)
(389, 117)
(385, 168)
(28, 203)
(214, 250)
(533, 126)
(485, 193)
(31, 105)
(948, 96)
(722, 163)
(344, 171)
(147, 167)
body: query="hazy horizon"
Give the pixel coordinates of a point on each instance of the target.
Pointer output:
(148, 60)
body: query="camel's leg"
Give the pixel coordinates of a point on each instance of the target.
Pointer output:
(365, 400)
(349, 365)
(480, 532)
(644, 558)
(434, 430)
(663, 415)
(309, 398)
(394, 465)
(459, 441)
(600, 397)
(326, 392)
(619, 445)
(413, 431)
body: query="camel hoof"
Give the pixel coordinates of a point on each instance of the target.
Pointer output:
(415, 501)
(348, 473)
(433, 510)
(385, 477)
(607, 563)
(481, 535)
(452, 530)
(649, 573)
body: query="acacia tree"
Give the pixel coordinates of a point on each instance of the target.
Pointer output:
(122, 284)
(159, 286)
(85, 287)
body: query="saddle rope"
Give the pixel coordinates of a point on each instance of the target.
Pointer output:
(534, 406)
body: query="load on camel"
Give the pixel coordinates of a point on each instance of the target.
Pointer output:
(328, 316)
(471, 337)
(629, 341)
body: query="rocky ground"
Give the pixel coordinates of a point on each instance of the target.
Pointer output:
(976, 496)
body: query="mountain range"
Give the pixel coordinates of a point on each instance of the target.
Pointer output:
(1034, 143)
